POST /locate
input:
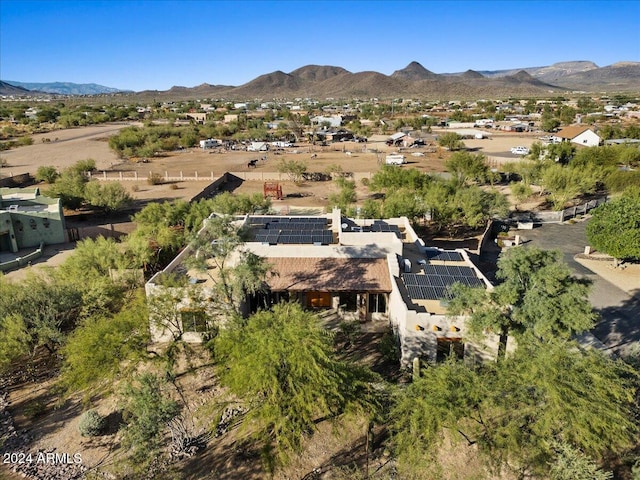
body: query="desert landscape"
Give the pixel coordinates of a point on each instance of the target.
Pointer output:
(67, 146)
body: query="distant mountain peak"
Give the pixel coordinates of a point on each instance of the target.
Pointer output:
(414, 71)
(471, 74)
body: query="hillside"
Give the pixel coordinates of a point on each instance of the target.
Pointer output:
(66, 88)
(9, 89)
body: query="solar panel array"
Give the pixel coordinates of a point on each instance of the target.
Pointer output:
(384, 227)
(444, 256)
(292, 230)
(435, 286)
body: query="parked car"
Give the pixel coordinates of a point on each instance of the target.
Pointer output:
(520, 151)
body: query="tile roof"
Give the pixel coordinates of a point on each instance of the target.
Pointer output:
(330, 274)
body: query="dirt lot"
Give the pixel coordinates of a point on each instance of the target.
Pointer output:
(70, 145)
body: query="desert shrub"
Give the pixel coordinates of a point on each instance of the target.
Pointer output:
(23, 141)
(155, 179)
(173, 186)
(46, 174)
(91, 424)
(34, 409)
(135, 188)
(389, 348)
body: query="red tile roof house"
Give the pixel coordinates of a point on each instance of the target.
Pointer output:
(374, 272)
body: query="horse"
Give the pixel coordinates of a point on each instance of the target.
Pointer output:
(252, 163)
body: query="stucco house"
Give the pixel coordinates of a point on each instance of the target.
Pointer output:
(375, 272)
(29, 219)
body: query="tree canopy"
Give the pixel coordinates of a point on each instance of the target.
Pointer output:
(287, 389)
(537, 298)
(614, 227)
(515, 410)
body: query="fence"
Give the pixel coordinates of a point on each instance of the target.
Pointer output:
(210, 177)
(559, 216)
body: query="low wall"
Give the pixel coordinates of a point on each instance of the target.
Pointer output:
(559, 216)
(21, 180)
(21, 261)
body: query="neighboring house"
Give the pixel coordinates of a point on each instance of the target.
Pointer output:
(375, 272)
(333, 121)
(197, 117)
(578, 134)
(28, 219)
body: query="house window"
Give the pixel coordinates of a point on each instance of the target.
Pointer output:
(377, 303)
(349, 301)
(449, 346)
(194, 321)
(318, 299)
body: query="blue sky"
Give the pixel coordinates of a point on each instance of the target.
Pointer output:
(151, 44)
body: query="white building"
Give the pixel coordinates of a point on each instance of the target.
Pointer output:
(578, 134)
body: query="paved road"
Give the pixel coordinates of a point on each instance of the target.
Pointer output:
(619, 326)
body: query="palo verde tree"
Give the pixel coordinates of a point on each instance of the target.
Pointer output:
(516, 411)
(468, 167)
(537, 298)
(281, 364)
(234, 273)
(615, 226)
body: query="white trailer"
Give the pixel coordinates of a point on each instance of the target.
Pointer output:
(395, 159)
(209, 143)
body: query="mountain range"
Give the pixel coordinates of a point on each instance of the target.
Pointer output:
(317, 81)
(62, 88)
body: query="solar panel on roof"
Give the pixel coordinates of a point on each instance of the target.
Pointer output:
(429, 293)
(414, 291)
(467, 271)
(429, 269)
(410, 279)
(435, 280)
(441, 270)
(460, 279)
(422, 280)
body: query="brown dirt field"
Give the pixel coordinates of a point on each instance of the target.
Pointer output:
(92, 142)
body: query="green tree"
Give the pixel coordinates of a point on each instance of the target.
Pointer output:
(537, 298)
(571, 464)
(520, 191)
(294, 169)
(236, 273)
(468, 167)
(286, 390)
(147, 409)
(46, 174)
(514, 411)
(451, 141)
(614, 227)
(101, 348)
(15, 339)
(38, 312)
(69, 187)
(110, 197)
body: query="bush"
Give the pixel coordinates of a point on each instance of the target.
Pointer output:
(34, 409)
(91, 424)
(46, 174)
(155, 179)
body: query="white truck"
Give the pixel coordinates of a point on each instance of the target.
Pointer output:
(395, 159)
